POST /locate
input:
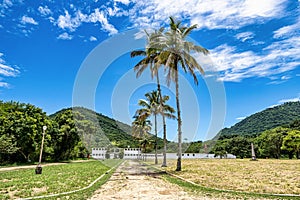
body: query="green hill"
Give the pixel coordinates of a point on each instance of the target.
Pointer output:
(267, 119)
(99, 130)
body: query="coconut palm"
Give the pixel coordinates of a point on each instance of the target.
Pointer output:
(152, 105)
(151, 60)
(176, 51)
(141, 126)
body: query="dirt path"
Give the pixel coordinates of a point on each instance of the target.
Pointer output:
(133, 180)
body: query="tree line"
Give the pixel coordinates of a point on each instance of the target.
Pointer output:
(279, 142)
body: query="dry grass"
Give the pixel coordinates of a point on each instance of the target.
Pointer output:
(263, 176)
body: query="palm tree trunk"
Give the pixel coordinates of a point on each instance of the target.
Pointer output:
(178, 121)
(164, 164)
(155, 126)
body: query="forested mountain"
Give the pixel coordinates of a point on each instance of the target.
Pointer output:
(102, 130)
(267, 119)
(275, 133)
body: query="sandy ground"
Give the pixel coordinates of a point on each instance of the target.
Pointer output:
(133, 180)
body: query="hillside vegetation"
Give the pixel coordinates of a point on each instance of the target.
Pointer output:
(275, 133)
(102, 129)
(267, 119)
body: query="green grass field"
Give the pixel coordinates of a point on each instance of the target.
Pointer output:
(25, 183)
(263, 176)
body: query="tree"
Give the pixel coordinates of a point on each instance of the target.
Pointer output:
(175, 51)
(220, 148)
(152, 61)
(291, 143)
(194, 147)
(239, 146)
(295, 125)
(68, 137)
(141, 127)
(153, 105)
(270, 142)
(21, 125)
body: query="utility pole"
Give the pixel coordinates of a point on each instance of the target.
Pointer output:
(38, 169)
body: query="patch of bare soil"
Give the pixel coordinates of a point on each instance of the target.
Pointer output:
(133, 180)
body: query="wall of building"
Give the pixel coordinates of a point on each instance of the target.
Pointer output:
(136, 153)
(132, 153)
(99, 153)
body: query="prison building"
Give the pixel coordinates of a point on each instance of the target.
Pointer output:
(132, 153)
(99, 153)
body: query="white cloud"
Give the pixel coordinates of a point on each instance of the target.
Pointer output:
(285, 77)
(1, 59)
(207, 13)
(125, 2)
(116, 11)
(4, 85)
(45, 11)
(240, 118)
(288, 30)
(244, 36)
(92, 38)
(233, 65)
(7, 3)
(28, 20)
(289, 100)
(99, 16)
(6, 71)
(4, 7)
(65, 36)
(68, 22)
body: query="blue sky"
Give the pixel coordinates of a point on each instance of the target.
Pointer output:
(46, 46)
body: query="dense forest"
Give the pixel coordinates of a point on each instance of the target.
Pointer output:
(275, 133)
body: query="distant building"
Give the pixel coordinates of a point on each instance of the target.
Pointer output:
(99, 153)
(104, 153)
(198, 155)
(132, 153)
(136, 153)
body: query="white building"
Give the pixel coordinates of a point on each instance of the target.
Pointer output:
(99, 153)
(132, 153)
(197, 155)
(136, 153)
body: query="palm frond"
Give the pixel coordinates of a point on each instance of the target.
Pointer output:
(138, 53)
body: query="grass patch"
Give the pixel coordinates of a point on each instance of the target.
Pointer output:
(264, 176)
(196, 190)
(55, 179)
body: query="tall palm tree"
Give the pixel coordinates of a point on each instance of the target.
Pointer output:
(152, 105)
(141, 127)
(151, 60)
(175, 51)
